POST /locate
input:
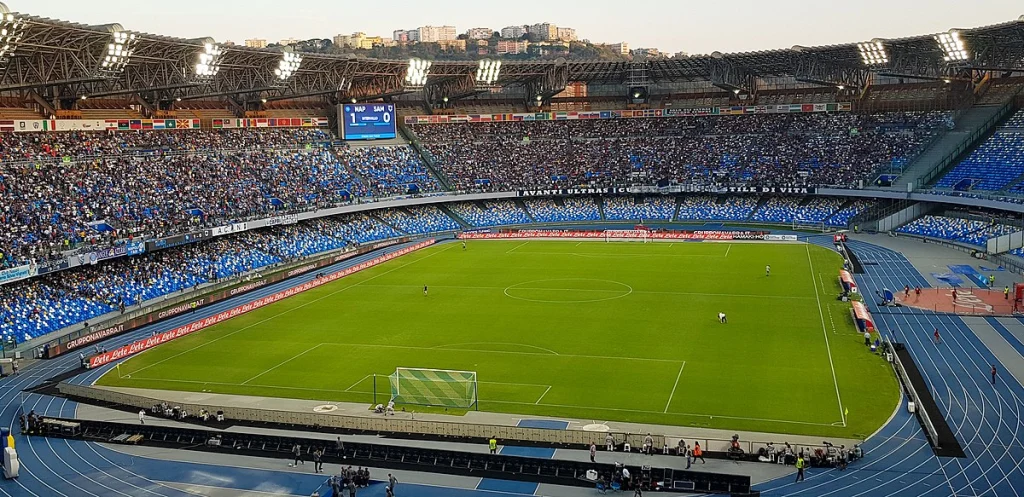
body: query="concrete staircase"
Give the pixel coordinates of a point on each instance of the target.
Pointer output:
(972, 126)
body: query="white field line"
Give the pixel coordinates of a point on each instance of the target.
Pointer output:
(727, 250)
(542, 395)
(673, 394)
(824, 331)
(286, 361)
(286, 311)
(513, 249)
(651, 292)
(349, 389)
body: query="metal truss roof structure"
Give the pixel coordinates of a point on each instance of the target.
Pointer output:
(54, 60)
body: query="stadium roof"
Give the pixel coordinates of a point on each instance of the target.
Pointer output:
(51, 59)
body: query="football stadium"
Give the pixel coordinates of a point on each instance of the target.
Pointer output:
(509, 262)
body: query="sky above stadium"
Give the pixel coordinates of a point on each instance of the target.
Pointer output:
(696, 27)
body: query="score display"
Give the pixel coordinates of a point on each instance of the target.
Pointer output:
(367, 121)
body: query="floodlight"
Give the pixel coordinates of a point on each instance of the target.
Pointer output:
(417, 73)
(208, 64)
(11, 28)
(487, 72)
(952, 46)
(289, 65)
(119, 52)
(873, 53)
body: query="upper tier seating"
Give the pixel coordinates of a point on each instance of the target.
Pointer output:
(996, 164)
(780, 150)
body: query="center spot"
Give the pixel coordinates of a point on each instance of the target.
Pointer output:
(568, 290)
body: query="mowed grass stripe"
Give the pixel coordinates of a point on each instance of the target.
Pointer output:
(618, 359)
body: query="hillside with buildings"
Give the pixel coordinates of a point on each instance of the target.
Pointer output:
(517, 42)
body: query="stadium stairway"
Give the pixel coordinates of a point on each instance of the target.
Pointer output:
(522, 205)
(428, 160)
(945, 150)
(458, 219)
(987, 420)
(373, 215)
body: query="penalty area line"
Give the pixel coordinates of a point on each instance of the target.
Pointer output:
(676, 385)
(548, 389)
(513, 249)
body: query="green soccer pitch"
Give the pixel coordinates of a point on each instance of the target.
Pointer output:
(589, 330)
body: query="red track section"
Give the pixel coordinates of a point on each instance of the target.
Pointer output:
(971, 301)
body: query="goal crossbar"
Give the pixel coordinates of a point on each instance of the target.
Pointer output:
(434, 387)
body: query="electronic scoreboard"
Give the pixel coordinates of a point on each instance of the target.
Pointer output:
(367, 121)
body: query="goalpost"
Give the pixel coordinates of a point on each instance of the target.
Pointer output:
(810, 226)
(627, 236)
(434, 387)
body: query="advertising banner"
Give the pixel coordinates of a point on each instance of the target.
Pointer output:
(146, 344)
(15, 274)
(52, 266)
(629, 114)
(625, 234)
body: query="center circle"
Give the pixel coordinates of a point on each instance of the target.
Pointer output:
(568, 290)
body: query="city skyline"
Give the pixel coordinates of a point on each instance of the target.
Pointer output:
(695, 29)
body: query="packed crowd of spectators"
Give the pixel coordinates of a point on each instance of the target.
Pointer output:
(817, 149)
(17, 147)
(491, 213)
(198, 179)
(390, 170)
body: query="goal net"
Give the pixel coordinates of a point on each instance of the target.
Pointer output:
(626, 236)
(434, 387)
(809, 226)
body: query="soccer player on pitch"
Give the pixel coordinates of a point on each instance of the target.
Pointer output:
(767, 270)
(424, 290)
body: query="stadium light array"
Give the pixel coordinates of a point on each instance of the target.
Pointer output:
(119, 51)
(873, 53)
(488, 72)
(952, 46)
(11, 28)
(289, 65)
(418, 72)
(209, 61)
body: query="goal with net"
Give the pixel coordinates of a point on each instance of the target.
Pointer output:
(434, 387)
(626, 236)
